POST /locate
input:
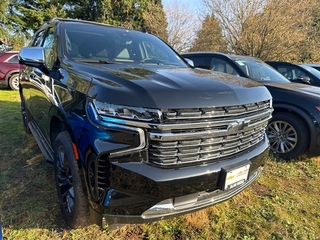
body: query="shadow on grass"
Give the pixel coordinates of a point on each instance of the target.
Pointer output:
(29, 206)
(27, 192)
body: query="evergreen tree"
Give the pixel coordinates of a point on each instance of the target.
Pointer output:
(81, 9)
(3, 22)
(155, 21)
(133, 14)
(26, 16)
(209, 37)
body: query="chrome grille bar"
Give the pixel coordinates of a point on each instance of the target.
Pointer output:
(196, 136)
(216, 112)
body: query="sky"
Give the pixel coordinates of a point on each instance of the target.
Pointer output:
(193, 4)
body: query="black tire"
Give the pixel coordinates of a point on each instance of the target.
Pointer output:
(288, 135)
(73, 203)
(25, 118)
(14, 82)
(91, 178)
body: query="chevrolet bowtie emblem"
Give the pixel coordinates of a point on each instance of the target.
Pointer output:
(230, 177)
(240, 124)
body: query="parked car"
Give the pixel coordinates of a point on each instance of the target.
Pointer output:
(9, 69)
(313, 65)
(295, 125)
(133, 132)
(297, 73)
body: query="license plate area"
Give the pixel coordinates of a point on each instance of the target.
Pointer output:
(234, 175)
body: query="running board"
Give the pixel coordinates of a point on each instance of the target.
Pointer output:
(43, 144)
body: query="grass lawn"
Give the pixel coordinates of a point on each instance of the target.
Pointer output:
(283, 203)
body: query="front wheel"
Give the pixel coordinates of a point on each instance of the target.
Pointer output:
(14, 82)
(72, 200)
(288, 135)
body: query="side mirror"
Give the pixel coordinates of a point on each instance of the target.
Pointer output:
(33, 57)
(304, 79)
(189, 61)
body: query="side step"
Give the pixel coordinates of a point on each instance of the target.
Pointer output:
(43, 144)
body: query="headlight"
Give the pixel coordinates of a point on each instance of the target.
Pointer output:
(126, 112)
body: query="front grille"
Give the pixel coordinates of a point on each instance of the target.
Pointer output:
(191, 136)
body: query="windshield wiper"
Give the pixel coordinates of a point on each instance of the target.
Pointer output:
(95, 61)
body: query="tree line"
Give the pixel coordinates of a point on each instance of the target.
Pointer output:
(19, 19)
(287, 30)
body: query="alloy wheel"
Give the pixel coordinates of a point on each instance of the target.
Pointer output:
(282, 136)
(64, 178)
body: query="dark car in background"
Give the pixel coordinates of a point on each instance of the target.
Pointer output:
(313, 65)
(295, 126)
(134, 133)
(297, 73)
(9, 69)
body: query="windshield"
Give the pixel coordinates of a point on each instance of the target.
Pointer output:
(260, 71)
(312, 70)
(104, 44)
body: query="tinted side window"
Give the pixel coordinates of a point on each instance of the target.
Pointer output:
(221, 65)
(201, 62)
(13, 59)
(291, 72)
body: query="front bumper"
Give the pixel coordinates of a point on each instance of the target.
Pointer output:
(140, 193)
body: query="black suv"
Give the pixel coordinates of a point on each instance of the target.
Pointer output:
(295, 125)
(134, 133)
(297, 73)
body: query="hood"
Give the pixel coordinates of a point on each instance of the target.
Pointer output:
(162, 86)
(295, 87)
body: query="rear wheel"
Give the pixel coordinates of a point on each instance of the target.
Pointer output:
(288, 135)
(14, 82)
(72, 200)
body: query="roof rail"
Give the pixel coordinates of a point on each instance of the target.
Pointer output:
(76, 20)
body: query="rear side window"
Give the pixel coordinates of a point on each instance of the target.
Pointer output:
(13, 59)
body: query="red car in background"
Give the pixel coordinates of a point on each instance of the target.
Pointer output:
(9, 69)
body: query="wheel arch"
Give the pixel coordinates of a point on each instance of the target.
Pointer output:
(9, 75)
(56, 126)
(59, 123)
(302, 115)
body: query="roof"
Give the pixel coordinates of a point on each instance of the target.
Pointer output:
(231, 56)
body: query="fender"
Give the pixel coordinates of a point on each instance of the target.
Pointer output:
(306, 117)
